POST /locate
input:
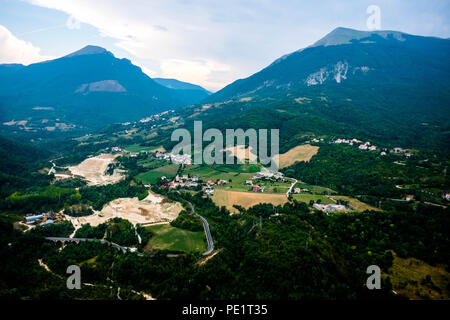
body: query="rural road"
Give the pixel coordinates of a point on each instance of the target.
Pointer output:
(207, 232)
(290, 189)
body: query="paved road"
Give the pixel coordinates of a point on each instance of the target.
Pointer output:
(207, 232)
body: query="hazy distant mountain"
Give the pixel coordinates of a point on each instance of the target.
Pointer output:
(87, 88)
(191, 93)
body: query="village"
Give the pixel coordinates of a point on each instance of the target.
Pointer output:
(370, 147)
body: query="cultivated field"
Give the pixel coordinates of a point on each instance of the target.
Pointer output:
(314, 189)
(152, 209)
(238, 174)
(166, 237)
(138, 148)
(229, 198)
(299, 153)
(308, 197)
(93, 170)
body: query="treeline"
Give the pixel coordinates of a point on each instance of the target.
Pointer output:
(98, 196)
(75, 202)
(354, 172)
(87, 231)
(79, 210)
(266, 252)
(50, 198)
(187, 221)
(122, 232)
(19, 167)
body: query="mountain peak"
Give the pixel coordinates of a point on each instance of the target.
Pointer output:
(87, 50)
(342, 35)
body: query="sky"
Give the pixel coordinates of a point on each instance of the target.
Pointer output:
(206, 42)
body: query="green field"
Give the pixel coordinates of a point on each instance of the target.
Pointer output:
(238, 174)
(137, 148)
(308, 197)
(315, 189)
(166, 237)
(154, 175)
(151, 163)
(274, 186)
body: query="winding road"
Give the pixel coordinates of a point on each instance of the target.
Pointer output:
(290, 189)
(207, 232)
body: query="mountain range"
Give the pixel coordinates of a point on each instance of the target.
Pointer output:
(87, 88)
(388, 85)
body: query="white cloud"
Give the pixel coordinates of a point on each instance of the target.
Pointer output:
(149, 72)
(212, 43)
(193, 71)
(73, 23)
(14, 50)
(244, 36)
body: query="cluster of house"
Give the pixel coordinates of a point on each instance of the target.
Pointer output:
(209, 187)
(404, 152)
(208, 190)
(175, 158)
(41, 219)
(330, 207)
(183, 181)
(274, 176)
(159, 116)
(362, 146)
(255, 188)
(299, 190)
(268, 175)
(368, 146)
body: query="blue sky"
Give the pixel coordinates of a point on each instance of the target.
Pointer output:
(207, 42)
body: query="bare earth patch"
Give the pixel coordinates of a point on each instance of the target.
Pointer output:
(299, 153)
(160, 149)
(152, 209)
(203, 260)
(93, 170)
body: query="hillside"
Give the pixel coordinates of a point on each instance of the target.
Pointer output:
(89, 88)
(384, 83)
(189, 93)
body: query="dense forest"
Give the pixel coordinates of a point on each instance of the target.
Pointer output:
(355, 172)
(291, 255)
